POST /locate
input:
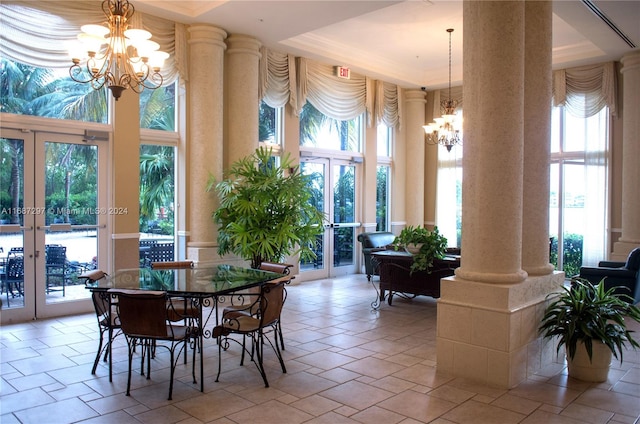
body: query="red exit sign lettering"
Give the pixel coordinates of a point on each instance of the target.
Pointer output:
(343, 72)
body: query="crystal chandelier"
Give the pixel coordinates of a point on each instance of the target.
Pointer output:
(116, 56)
(445, 130)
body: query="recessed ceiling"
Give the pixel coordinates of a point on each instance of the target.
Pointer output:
(403, 42)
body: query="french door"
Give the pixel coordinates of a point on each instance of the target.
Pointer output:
(334, 183)
(52, 222)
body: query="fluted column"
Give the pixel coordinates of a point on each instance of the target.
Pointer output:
(493, 141)
(630, 237)
(414, 163)
(205, 147)
(242, 103)
(537, 143)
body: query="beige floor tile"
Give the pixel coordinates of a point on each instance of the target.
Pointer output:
(356, 395)
(316, 405)
(270, 412)
(477, 412)
(372, 367)
(419, 406)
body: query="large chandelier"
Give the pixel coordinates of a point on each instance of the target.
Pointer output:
(445, 130)
(116, 56)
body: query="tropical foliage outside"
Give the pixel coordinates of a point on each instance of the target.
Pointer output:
(27, 90)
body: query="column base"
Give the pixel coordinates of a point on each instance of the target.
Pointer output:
(489, 332)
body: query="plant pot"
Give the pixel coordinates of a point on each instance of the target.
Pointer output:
(596, 370)
(413, 248)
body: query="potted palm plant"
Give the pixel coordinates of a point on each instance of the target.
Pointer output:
(266, 212)
(589, 322)
(425, 246)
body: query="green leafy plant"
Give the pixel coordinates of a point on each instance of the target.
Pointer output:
(430, 245)
(266, 212)
(586, 313)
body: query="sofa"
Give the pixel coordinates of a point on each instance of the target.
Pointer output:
(374, 242)
(617, 274)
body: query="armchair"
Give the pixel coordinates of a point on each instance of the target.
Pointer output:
(625, 274)
(374, 242)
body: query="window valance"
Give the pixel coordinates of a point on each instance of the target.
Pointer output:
(277, 79)
(585, 90)
(286, 79)
(29, 27)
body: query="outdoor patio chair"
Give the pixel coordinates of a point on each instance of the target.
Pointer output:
(13, 277)
(56, 268)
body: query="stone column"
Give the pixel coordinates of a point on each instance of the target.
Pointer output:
(488, 313)
(537, 134)
(242, 103)
(630, 237)
(206, 71)
(414, 163)
(493, 141)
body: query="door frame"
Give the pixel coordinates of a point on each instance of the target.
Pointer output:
(329, 270)
(35, 136)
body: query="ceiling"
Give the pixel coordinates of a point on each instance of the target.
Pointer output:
(403, 42)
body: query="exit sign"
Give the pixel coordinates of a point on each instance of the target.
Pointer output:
(342, 72)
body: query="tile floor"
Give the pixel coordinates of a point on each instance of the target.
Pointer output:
(345, 364)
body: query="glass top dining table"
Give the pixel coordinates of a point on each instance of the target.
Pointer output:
(199, 282)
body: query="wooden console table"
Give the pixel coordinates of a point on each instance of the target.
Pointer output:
(396, 277)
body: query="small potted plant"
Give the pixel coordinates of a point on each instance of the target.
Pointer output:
(589, 322)
(423, 244)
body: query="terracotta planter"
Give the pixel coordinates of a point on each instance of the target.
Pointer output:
(596, 370)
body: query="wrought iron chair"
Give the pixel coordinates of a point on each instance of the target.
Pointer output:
(105, 307)
(279, 268)
(144, 319)
(56, 267)
(256, 326)
(187, 310)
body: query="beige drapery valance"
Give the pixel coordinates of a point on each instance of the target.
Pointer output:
(36, 33)
(585, 90)
(285, 79)
(277, 78)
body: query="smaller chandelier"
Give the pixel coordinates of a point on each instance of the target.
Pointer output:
(116, 56)
(445, 130)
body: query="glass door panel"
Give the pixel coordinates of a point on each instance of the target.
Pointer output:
(335, 186)
(68, 234)
(16, 227)
(344, 223)
(71, 242)
(317, 185)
